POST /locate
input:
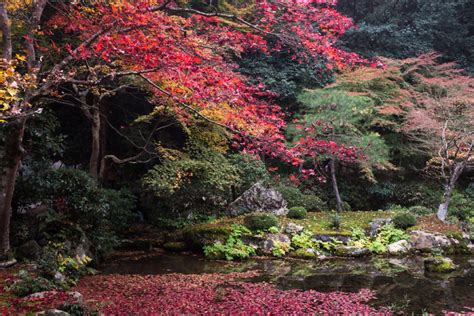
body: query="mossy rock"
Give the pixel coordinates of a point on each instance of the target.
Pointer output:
(198, 236)
(439, 265)
(303, 254)
(175, 246)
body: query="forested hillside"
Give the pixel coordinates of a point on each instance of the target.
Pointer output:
(302, 128)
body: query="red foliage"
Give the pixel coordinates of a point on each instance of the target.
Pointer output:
(212, 294)
(191, 55)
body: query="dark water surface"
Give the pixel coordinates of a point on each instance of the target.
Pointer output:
(400, 283)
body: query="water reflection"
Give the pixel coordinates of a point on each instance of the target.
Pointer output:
(399, 282)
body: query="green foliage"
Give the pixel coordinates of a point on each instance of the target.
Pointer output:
(297, 212)
(274, 230)
(280, 249)
(78, 207)
(388, 234)
(200, 235)
(233, 248)
(313, 203)
(335, 221)
(419, 210)
(250, 170)
(462, 205)
(257, 222)
(404, 220)
(291, 194)
(199, 184)
(26, 283)
(303, 240)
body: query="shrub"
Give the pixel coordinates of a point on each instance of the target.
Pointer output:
(313, 203)
(292, 195)
(335, 221)
(388, 234)
(26, 283)
(260, 221)
(297, 212)
(280, 248)
(233, 248)
(303, 240)
(462, 205)
(420, 210)
(404, 220)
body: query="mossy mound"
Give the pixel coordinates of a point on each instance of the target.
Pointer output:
(303, 254)
(439, 265)
(297, 212)
(257, 222)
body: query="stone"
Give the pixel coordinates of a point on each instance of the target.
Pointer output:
(40, 295)
(293, 229)
(53, 312)
(7, 263)
(331, 237)
(30, 250)
(77, 297)
(59, 277)
(264, 245)
(439, 265)
(378, 223)
(259, 199)
(399, 247)
(425, 241)
(351, 251)
(175, 246)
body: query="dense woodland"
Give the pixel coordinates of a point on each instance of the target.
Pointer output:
(154, 116)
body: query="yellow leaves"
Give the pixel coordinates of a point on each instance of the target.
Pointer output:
(20, 57)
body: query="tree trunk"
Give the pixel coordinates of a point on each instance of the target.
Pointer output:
(13, 153)
(95, 144)
(332, 166)
(449, 187)
(6, 32)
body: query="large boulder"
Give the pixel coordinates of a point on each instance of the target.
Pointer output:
(425, 241)
(264, 245)
(399, 247)
(259, 199)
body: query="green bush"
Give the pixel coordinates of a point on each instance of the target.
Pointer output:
(297, 212)
(291, 194)
(257, 222)
(420, 210)
(462, 205)
(313, 203)
(26, 283)
(233, 248)
(335, 221)
(404, 220)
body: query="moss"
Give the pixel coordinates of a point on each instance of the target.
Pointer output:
(198, 236)
(302, 254)
(175, 246)
(439, 265)
(260, 221)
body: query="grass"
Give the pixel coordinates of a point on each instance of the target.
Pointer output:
(319, 222)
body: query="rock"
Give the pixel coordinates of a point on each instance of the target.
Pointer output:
(303, 253)
(53, 312)
(378, 223)
(76, 296)
(264, 245)
(330, 237)
(425, 241)
(29, 250)
(59, 277)
(351, 251)
(41, 295)
(399, 247)
(439, 265)
(259, 199)
(7, 263)
(293, 229)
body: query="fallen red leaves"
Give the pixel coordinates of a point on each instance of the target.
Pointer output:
(212, 294)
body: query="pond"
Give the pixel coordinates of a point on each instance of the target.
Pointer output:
(400, 283)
